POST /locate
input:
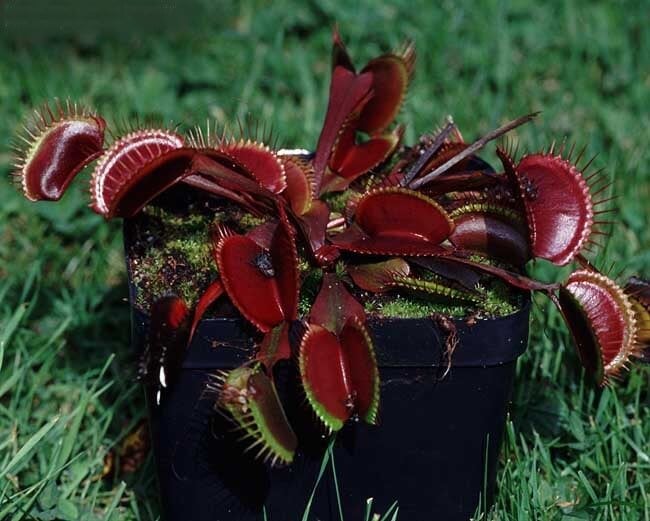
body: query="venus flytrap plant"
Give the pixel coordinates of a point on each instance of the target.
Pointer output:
(373, 215)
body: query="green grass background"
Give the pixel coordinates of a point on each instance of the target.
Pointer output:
(67, 389)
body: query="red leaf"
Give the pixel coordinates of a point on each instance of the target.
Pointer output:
(453, 181)
(135, 169)
(601, 320)
(284, 257)
(391, 74)
(492, 236)
(365, 102)
(444, 154)
(210, 295)
(447, 268)
(350, 161)
(325, 376)
(334, 306)
(558, 206)
(364, 374)
(374, 277)
(275, 346)
(313, 226)
(354, 239)
(300, 190)
(262, 163)
(514, 279)
(340, 374)
(248, 276)
(262, 283)
(315, 223)
(325, 256)
(396, 221)
(263, 233)
(340, 56)
(57, 146)
(209, 185)
(229, 174)
(401, 213)
(348, 93)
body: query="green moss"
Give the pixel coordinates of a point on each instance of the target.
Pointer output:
(500, 299)
(248, 220)
(173, 254)
(400, 305)
(310, 285)
(337, 201)
(496, 300)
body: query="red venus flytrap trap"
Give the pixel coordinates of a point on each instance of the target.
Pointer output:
(431, 219)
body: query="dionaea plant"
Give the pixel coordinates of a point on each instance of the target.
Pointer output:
(431, 218)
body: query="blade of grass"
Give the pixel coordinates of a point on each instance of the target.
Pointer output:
(368, 509)
(73, 430)
(336, 483)
(29, 446)
(115, 501)
(392, 510)
(9, 329)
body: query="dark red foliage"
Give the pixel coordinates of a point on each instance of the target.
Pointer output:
(325, 372)
(248, 275)
(262, 283)
(300, 184)
(210, 295)
(461, 181)
(217, 173)
(601, 319)
(558, 206)
(391, 74)
(348, 93)
(275, 346)
(350, 160)
(365, 102)
(262, 163)
(491, 235)
(334, 306)
(57, 146)
(362, 365)
(284, 257)
(135, 169)
(340, 373)
(313, 225)
(396, 221)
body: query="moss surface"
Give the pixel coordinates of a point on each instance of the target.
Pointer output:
(498, 300)
(170, 247)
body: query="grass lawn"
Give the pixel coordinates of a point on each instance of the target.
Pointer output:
(67, 387)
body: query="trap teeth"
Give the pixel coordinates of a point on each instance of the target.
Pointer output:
(602, 322)
(141, 154)
(250, 398)
(54, 147)
(558, 204)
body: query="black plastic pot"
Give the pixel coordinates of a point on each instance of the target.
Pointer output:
(435, 451)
